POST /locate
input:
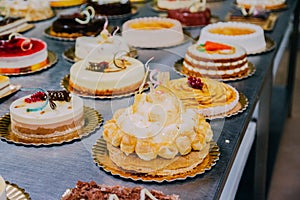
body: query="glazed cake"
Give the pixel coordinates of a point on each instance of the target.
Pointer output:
(4, 85)
(267, 4)
(103, 44)
(35, 116)
(92, 191)
(209, 97)
(65, 3)
(249, 36)
(215, 60)
(2, 189)
(31, 10)
(106, 76)
(157, 136)
(19, 54)
(152, 32)
(77, 24)
(110, 7)
(171, 4)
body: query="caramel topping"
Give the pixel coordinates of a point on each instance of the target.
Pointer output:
(231, 31)
(151, 25)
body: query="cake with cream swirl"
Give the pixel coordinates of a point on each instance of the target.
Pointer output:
(157, 135)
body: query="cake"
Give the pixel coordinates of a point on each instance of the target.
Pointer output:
(46, 114)
(267, 4)
(174, 4)
(104, 44)
(215, 60)
(65, 3)
(93, 191)
(152, 32)
(77, 24)
(249, 36)
(190, 18)
(110, 7)
(9, 24)
(19, 54)
(31, 10)
(106, 76)
(209, 97)
(157, 136)
(4, 85)
(2, 189)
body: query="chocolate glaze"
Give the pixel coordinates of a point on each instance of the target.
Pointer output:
(190, 18)
(118, 8)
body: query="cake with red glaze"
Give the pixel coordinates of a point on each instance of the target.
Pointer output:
(110, 7)
(19, 54)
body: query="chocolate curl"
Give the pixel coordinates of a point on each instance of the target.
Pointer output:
(115, 57)
(89, 13)
(26, 43)
(146, 75)
(198, 5)
(115, 31)
(144, 193)
(152, 79)
(43, 105)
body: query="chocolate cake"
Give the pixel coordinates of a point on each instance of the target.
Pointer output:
(117, 7)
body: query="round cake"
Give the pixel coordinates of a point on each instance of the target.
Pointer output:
(190, 18)
(267, 4)
(110, 7)
(249, 36)
(152, 32)
(4, 85)
(65, 3)
(2, 189)
(209, 97)
(35, 116)
(157, 136)
(31, 10)
(77, 24)
(103, 44)
(106, 76)
(20, 55)
(171, 4)
(215, 60)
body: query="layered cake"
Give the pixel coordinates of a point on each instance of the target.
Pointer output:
(31, 10)
(2, 189)
(267, 4)
(46, 114)
(4, 85)
(152, 32)
(249, 36)
(66, 3)
(77, 24)
(215, 60)
(110, 7)
(93, 191)
(19, 54)
(103, 44)
(106, 76)
(171, 4)
(157, 136)
(209, 97)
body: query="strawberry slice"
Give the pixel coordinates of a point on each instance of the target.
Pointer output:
(214, 46)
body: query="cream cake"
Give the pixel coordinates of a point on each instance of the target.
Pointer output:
(31, 10)
(2, 189)
(103, 44)
(106, 76)
(65, 3)
(215, 60)
(35, 116)
(157, 136)
(209, 97)
(93, 191)
(152, 32)
(19, 54)
(4, 85)
(171, 4)
(267, 4)
(249, 36)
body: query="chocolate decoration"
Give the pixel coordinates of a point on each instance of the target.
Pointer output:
(98, 67)
(61, 95)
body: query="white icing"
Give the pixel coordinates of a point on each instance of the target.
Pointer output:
(264, 2)
(253, 42)
(153, 38)
(171, 4)
(2, 189)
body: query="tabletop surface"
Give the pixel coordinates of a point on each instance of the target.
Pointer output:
(46, 172)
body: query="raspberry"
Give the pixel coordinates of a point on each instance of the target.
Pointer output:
(38, 96)
(195, 83)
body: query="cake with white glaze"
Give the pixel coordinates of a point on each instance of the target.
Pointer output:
(106, 76)
(249, 36)
(152, 32)
(267, 4)
(215, 60)
(171, 4)
(19, 54)
(37, 116)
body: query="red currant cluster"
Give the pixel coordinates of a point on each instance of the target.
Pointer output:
(38, 96)
(195, 83)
